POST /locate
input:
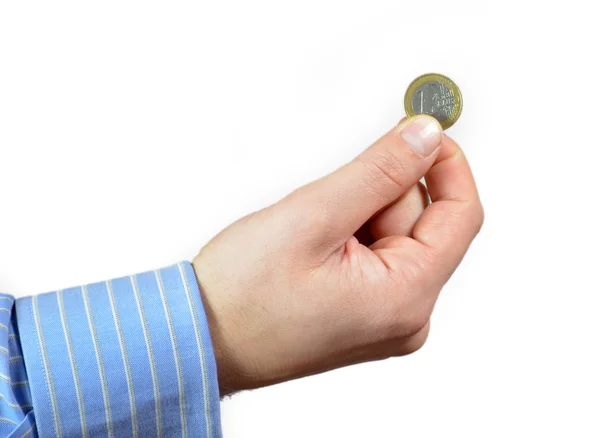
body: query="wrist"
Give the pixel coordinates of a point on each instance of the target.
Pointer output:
(229, 370)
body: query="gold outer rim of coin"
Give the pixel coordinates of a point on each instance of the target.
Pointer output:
(429, 77)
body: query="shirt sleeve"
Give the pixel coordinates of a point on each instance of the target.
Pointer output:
(129, 357)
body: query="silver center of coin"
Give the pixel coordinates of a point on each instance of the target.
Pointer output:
(435, 99)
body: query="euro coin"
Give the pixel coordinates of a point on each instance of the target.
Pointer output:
(435, 95)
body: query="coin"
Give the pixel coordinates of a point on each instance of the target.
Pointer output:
(435, 95)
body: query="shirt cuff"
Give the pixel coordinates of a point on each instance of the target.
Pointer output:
(127, 357)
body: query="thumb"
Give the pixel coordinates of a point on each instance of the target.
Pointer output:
(350, 196)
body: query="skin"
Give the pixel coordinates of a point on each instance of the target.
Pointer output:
(344, 270)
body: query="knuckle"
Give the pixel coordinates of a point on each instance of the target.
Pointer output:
(414, 324)
(469, 217)
(479, 217)
(405, 319)
(475, 216)
(416, 342)
(412, 348)
(409, 317)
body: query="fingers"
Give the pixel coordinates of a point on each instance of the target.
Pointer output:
(400, 218)
(455, 216)
(349, 197)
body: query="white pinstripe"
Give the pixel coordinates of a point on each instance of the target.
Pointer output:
(161, 288)
(99, 361)
(46, 364)
(11, 383)
(74, 370)
(151, 359)
(125, 357)
(201, 352)
(29, 432)
(16, 407)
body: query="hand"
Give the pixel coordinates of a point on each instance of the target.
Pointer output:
(344, 270)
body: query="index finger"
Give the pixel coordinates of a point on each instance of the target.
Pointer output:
(455, 216)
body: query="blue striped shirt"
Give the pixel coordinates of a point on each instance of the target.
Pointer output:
(129, 357)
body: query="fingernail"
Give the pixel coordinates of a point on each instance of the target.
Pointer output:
(423, 134)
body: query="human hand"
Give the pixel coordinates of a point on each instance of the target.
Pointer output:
(344, 270)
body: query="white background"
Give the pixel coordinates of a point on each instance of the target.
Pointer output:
(132, 132)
